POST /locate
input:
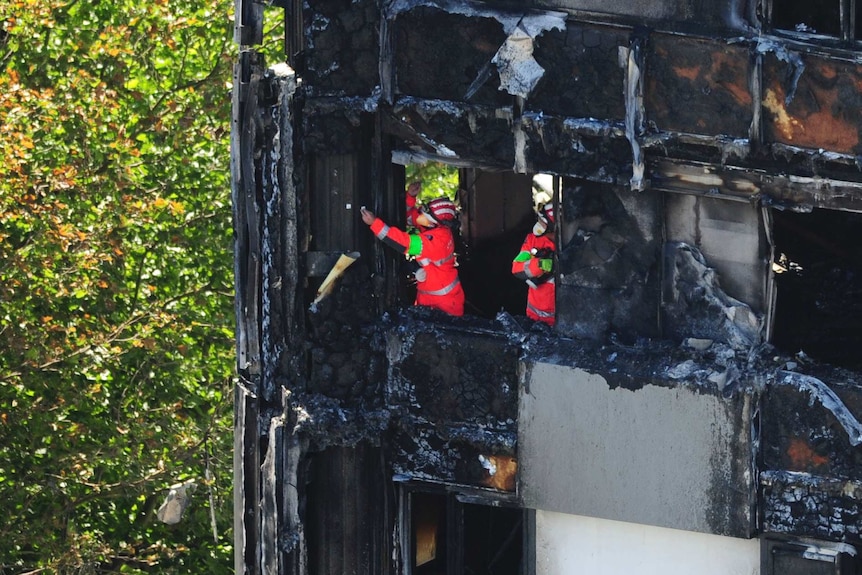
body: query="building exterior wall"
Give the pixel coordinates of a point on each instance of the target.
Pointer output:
(578, 545)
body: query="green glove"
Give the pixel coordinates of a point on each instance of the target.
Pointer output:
(546, 264)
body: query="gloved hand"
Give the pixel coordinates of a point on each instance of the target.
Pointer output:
(546, 264)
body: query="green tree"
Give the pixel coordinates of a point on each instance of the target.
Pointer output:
(437, 179)
(116, 345)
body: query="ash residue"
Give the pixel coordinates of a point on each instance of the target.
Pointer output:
(326, 422)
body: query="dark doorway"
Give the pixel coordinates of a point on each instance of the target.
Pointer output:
(818, 265)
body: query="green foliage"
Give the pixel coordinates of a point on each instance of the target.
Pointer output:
(116, 346)
(437, 180)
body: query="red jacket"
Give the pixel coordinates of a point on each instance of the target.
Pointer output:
(434, 250)
(541, 296)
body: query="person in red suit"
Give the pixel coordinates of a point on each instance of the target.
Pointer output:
(433, 247)
(534, 264)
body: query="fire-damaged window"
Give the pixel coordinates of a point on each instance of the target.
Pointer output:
(832, 18)
(818, 267)
(446, 536)
(498, 210)
(779, 557)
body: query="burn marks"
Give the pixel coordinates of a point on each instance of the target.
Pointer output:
(820, 110)
(694, 86)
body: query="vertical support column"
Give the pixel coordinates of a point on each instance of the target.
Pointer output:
(247, 277)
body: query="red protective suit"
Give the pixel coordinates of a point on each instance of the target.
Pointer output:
(434, 249)
(541, 296)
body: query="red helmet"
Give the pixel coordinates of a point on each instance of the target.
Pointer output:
(441, 210)
(546, 213)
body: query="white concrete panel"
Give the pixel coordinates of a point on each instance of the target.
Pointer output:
(577, 545)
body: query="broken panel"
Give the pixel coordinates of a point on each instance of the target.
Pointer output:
(698, 86)
(586, 149)
(438, 55)
(812, 453)
(609, 266)
(335, 126)
(704, 12)
(731, 237)
(453, 392)
(812, 102)
(583, 77)
(474, 133)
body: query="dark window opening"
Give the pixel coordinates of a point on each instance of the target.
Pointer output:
(806, 16)
(835, 18)
(497, 213)
(808, 558)
(818, 273)
(448, 537)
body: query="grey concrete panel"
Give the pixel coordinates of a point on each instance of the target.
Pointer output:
(666, 455)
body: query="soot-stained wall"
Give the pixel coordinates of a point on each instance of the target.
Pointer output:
(609, 245)
(452, 390)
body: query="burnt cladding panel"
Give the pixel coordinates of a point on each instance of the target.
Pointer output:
(345, 38)
(810, 471)
(554, 146)
(800, 434)
(334, 208)
(456, 378)
(483, 135)
(439, 55)
(608, 248)
(697, 87)
(704, 13)
(582, 77)
(823, 109)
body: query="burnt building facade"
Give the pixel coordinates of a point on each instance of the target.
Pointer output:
(696, 407)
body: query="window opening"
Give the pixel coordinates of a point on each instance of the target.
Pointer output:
(808, 558)
(448, 537)
(831, 18)
(428, 526)
(497, 211)
(818, 267)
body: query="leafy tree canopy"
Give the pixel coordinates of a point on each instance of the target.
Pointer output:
(437, 179)
(116, 345)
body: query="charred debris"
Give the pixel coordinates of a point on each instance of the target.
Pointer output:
(707, 165)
